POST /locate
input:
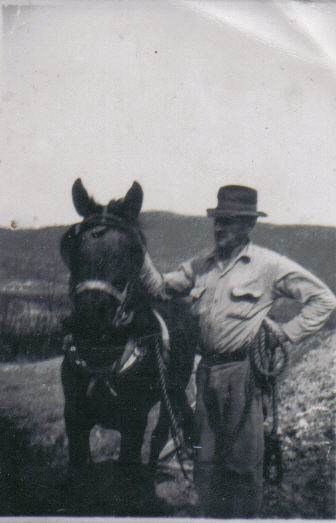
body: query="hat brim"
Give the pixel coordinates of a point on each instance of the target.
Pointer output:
(212, 213)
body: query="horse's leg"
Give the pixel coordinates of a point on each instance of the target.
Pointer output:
(77, 418)
(78, 433)
(136, 476)
(132, 435)
(187, 418)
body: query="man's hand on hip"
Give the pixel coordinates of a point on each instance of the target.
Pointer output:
(277, 335)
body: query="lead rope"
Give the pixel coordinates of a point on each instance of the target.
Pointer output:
(176, 431)
(265, 365)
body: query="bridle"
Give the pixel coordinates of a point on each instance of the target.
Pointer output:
(122, 316)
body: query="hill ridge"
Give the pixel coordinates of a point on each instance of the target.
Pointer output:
(171, 238)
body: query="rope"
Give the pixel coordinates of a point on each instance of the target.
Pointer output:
(263, 367)
(176, 431)
(263, 362)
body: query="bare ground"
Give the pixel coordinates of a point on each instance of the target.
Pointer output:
(33, 449)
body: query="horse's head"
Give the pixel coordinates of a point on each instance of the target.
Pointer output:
(104, 253)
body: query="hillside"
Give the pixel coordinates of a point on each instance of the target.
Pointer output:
(33, 254)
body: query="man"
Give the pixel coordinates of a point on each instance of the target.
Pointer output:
(231, 290)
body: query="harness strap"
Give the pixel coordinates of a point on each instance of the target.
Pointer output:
(130, 355)
(164, 330)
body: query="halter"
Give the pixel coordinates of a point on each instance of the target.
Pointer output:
(122, 317)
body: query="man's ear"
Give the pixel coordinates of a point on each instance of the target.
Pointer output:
(252, 223)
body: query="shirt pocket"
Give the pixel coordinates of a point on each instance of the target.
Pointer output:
(245, 301)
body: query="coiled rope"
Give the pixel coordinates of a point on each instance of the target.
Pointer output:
(264, 369)
(264, 364)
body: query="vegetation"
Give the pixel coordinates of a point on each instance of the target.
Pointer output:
(33, 446)
(33, 277)
(33, 254)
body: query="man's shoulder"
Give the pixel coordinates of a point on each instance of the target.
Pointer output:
(267, 258)
(264, 253)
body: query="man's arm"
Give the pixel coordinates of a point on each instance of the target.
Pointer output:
(165, 286)
(317, 300)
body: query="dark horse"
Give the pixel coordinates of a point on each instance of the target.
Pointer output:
(117, 342)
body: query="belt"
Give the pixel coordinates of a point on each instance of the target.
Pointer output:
(226, 357)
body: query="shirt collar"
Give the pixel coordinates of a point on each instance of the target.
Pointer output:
(245, 254)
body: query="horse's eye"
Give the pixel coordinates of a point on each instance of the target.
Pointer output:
(98, 232)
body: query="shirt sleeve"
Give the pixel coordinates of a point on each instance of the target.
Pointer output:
(180, 282)
(151, 279)
(164, 286)
(318, 302)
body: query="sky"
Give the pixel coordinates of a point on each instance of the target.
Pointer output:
(182, 96)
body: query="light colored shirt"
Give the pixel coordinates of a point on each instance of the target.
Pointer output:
(231, 302)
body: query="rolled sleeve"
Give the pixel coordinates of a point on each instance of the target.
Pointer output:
(181, 281)
(317, 300)
(151, 279)
(164, 286)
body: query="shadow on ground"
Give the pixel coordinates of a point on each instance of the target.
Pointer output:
(33, 483)
(31, 486)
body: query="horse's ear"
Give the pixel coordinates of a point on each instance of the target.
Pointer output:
(84, 204)
(133, 201)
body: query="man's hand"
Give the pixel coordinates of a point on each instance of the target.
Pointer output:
(277, 335)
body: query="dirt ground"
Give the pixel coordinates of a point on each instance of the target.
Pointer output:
(33, 450)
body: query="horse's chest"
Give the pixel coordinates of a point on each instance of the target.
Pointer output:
(109, 385)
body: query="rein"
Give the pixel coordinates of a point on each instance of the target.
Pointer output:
(176, 432)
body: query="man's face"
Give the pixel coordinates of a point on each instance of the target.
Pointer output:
(232, 231)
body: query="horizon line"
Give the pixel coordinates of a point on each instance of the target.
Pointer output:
(17, 227)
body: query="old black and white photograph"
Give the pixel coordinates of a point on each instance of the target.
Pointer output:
(167, 259)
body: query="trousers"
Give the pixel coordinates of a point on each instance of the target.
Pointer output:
(228, 467)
